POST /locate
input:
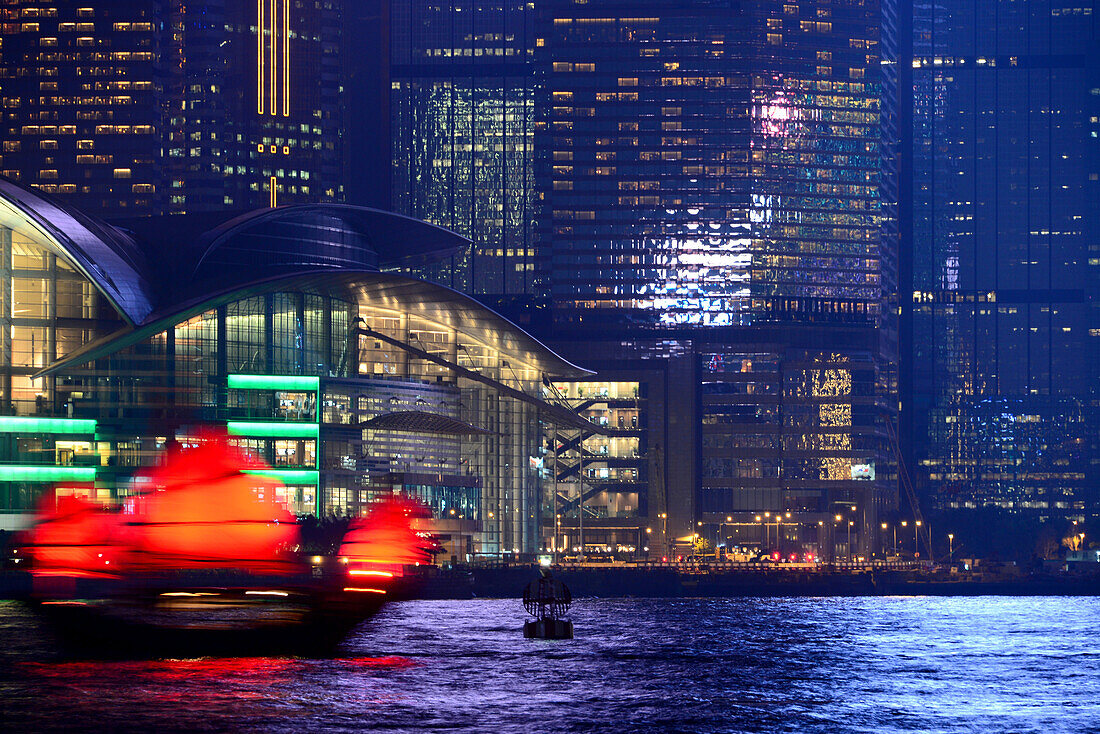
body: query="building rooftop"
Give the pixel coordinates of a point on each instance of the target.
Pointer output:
(159, 271)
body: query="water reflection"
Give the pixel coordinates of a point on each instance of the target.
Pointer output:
(870, 664)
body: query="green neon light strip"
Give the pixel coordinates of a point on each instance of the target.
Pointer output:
(289, 476)
(272, 429)
(274, 382)
(47, 473)
(32, 424)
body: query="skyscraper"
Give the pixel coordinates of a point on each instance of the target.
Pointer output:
(462, 107)
(713, 165)
(1001, 379)
(255, 116)
(710, 187)
(81, 102)
(131, 108)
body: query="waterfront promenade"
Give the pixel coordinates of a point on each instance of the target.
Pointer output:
(731, 579)
(765, 580)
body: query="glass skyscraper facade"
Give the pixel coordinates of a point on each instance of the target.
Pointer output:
(462, 108)
(711, 186)
(711, 163)
(1002, 356)
(81, 103)
(255, 114)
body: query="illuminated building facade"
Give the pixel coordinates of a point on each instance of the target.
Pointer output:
(81, 105)
(602, 472)
(255, 116)
(280, 326)
(738, 425)
(1001, 309)
(462, 108)
(711, 193)
(136, 108)
(710, 165)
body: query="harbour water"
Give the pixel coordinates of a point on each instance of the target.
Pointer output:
(637, 665)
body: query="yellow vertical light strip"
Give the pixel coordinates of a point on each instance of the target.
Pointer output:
(260, 56)
(274, 46)
(286, 58)
(274, 194)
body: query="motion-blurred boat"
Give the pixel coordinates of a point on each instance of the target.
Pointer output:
(206, 562)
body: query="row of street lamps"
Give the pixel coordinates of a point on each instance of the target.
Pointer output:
(766, 519)
(916, 535)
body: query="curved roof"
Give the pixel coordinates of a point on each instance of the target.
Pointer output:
(350, 235)
(189, 264)
(153, 264)
(110, 259)
(380, 290)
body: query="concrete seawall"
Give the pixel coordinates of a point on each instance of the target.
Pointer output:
(509, 581)
(667, 582)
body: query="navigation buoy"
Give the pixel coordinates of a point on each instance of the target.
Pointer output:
(547, 600)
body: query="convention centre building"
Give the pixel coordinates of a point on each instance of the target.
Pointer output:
(291, 330)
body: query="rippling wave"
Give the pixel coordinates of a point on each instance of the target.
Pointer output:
(692, 665)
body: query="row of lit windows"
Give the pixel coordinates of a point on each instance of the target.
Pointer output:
(758, 83)
(83, 42)
(49, 174)
(118, 100)
(448, 53)
(70, 27)
(99, 130)
(121, 85)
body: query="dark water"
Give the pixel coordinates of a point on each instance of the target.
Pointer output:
(828, 665)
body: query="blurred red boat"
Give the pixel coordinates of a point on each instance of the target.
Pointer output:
(205, 561)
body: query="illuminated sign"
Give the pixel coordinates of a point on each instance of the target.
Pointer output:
(47, 473)
(273, 57)
(863, 471)
(288, 476)
(273, 382)
(34, 424)
(272, 429)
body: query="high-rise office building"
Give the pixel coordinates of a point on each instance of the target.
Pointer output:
(81, 103)
(461, 116)
(710, 186)
(1000, 304)
(713, 165)
(131, 108)
(255, 116)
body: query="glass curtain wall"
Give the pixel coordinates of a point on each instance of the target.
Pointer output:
(47, 309)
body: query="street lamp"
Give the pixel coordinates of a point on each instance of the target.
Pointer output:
(837, 518)
(721, 532)
(557, 534)
(850, 524)
(950, 548)
(779, 534)
(916, 540)
(884, 535)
